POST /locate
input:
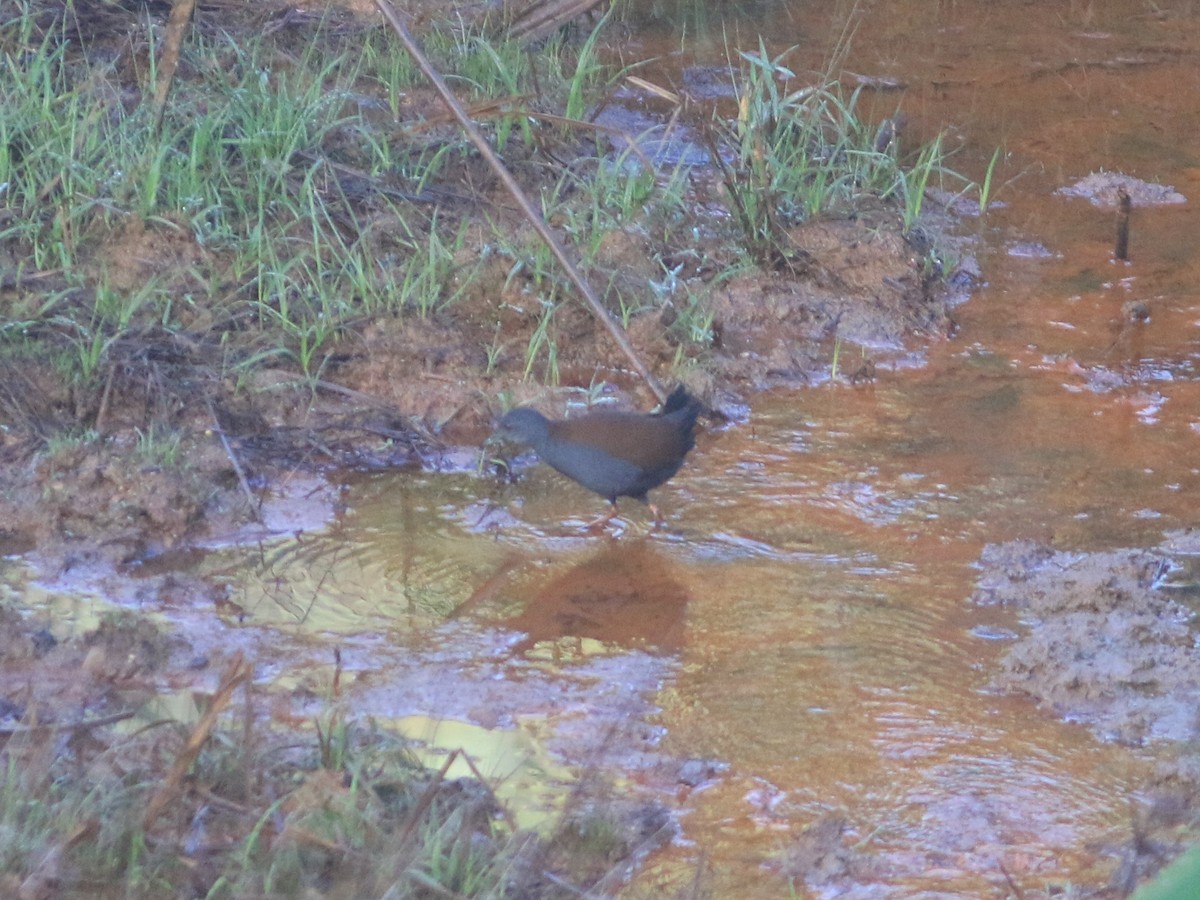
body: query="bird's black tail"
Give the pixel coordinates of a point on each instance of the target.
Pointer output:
(682, 407)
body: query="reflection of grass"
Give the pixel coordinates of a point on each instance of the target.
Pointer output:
(702, 21)
(342, 810)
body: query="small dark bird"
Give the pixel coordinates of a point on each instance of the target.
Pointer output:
(615, 454)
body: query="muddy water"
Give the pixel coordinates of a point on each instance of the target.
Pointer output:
(832, 658)
(802, 626)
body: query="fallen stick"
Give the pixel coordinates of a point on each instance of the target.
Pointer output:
(238, 672)
(181, 14)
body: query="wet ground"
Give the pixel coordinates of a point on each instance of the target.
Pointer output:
(822, 664)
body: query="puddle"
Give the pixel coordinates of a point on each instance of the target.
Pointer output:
(802, 627)
(527, 781)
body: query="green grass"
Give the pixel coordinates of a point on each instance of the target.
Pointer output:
(298, 200)
(985, 186)
(803, 153)
(157, 446)
(80, 819)
(305, 185)
(341, 809)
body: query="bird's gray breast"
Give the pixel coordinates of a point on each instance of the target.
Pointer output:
(607, 475)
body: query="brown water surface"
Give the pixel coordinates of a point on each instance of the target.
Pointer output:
(802, 625)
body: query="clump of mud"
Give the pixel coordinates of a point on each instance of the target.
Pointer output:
(1106, 643)
(1101, 189)
(49, 680)
(1111, 643)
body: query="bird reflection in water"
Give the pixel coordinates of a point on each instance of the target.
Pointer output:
(623, 597)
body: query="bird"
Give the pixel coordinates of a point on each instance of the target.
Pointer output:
(615, 454)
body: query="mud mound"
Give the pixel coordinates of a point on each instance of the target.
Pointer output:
(1106, 644)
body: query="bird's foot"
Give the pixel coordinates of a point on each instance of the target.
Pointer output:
(659, 521)
(599, 523)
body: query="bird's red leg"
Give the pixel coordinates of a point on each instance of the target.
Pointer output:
(604, 520)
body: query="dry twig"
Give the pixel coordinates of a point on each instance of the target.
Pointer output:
(523, 202)
(239, 671)
(181, 14)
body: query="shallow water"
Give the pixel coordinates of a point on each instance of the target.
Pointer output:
(833, 658)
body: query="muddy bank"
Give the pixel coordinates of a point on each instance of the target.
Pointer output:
(410, 393)
(176, 453)
(1109, 641)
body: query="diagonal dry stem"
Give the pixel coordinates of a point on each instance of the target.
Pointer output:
(523, 202)
(239, 671)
